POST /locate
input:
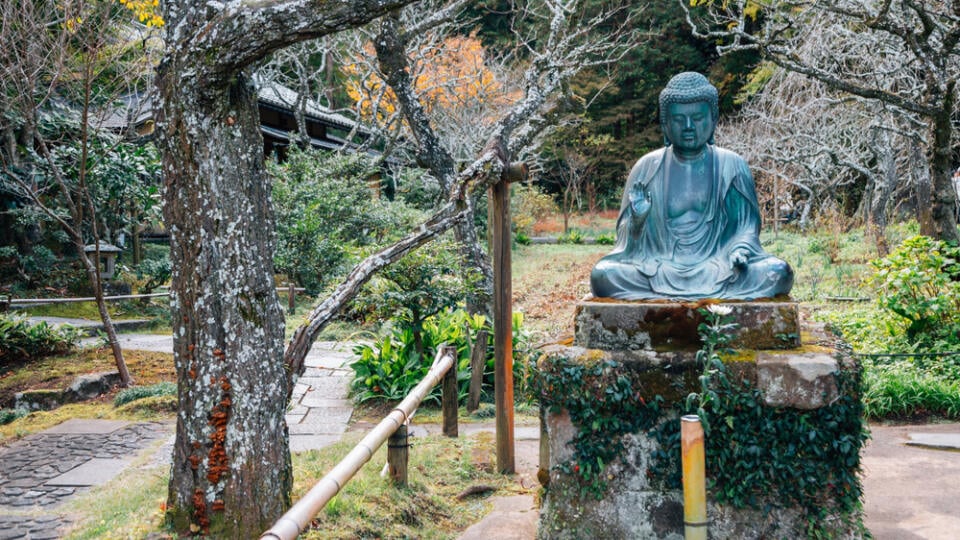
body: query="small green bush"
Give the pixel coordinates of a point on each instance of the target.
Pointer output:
(606, 239)
(521, 238)
(9, 415)
(20, 339)
(573, 236)
(920, 282)
(153, 273)
(140, 392)
(390, 367)
(528, 205)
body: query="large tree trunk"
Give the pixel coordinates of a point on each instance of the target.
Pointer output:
(231, 471)
(944, 197)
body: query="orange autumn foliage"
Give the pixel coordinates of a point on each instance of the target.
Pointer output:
(451, 76)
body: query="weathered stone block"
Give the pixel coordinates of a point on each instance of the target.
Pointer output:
(38, 400)
(90, 386)
(799, 380)
(623, 325)
(637, 502)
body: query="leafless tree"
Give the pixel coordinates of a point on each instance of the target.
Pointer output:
(818, 141)
(902, 53)
(445, 137)
(65, 63)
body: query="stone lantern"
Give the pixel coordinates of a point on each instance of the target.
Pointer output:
(108, 257)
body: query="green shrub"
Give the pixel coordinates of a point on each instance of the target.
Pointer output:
(606, 239)
(528, 205)
(153, 273)
(140, 392)
(521, 238)
(325, 215)
(920, 282)
(20, 339)
(9, 415)
(902, 390)
(573, 236)
(390, 367)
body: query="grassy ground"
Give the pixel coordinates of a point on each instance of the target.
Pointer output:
(440, 469)
(57, 372)
(548, 279)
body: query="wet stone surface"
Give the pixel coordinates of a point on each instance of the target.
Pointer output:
(33, 527)
(27, 465)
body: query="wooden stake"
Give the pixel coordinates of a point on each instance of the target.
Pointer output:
(449, 398)
(502, 325)
(398, 453)
(478, 363)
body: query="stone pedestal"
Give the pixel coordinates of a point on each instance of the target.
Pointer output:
(654, 345)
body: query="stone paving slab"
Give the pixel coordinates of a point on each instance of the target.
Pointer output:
(83, 425)
(31, 528)
(512, 518)
(302, 443)
(322, 398)
(939, 441)
(313, 429)
(94, 472)
(28, 465)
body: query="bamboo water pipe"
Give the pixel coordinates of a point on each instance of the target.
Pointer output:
(694, 487)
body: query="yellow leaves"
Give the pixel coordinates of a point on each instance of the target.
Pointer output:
(751, 10)
(146, 11)
(72, 24)
(452, 75)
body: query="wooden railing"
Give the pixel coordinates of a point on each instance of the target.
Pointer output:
(300, 514)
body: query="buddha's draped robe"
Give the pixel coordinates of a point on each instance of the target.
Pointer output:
(656, 257)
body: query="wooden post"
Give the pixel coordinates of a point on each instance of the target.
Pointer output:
(502, 325)
(398, 452)
(449, 398)
(291, 298)
(478, 363)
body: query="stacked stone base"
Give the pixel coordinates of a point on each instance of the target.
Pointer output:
(656, 345)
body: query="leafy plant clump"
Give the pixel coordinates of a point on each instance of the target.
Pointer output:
(573, 236)
(140, 392)
(20, 339)
(391, 366)
(920, 282)
(606, 239)
(9, 415)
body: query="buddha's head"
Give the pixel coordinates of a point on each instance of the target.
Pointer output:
(689, 110)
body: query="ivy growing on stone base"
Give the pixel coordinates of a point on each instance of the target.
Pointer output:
(604, 407)
(756, 456)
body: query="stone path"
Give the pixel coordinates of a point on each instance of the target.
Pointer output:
(320, 409)
(41, 471)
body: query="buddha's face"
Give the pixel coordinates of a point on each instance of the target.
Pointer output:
(689, 126)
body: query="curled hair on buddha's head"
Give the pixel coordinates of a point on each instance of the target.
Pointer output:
(688, 87)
